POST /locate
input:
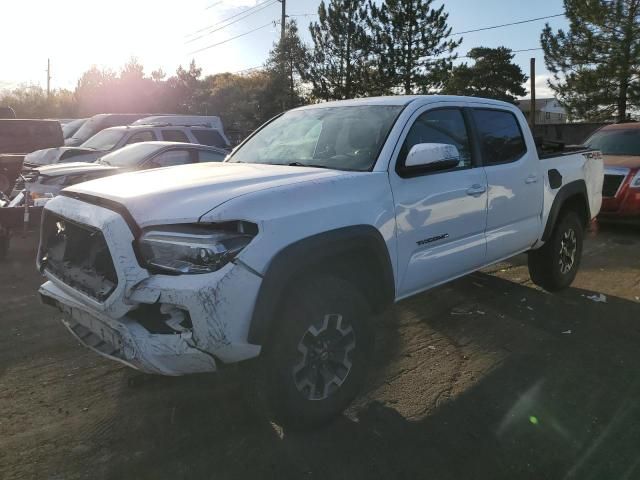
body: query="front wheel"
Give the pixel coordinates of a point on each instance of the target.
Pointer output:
(554, 266)
(319, 352)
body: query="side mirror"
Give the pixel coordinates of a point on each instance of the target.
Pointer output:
(436, 156)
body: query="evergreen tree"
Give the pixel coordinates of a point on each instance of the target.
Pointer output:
(341, 57)
(493, 75)
(286, 65)
(412, 44)
(596, 63)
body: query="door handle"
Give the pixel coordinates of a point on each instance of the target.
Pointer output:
(531, 179)
(476, 189)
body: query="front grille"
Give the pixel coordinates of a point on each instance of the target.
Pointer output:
(611, 185)
(78, 255)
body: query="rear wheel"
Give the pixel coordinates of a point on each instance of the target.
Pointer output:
(318, 356)
(555, 265)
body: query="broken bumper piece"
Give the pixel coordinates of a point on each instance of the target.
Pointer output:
(126, 341)
(166, 324)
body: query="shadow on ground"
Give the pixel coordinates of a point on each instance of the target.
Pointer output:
(561, 404)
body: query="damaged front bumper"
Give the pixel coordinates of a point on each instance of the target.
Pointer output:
(163, 324)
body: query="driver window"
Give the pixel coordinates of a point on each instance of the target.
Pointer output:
(170, 159)
(439, 126)
(144, 136)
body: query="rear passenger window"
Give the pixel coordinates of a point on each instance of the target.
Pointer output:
(444, 125)
(210, 138)
(500, 137)
(174, 136)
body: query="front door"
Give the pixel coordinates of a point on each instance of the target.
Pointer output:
(440, 215)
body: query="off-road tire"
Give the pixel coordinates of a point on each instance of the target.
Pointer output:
(326, 311)
(549, 265)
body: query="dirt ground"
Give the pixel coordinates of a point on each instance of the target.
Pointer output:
(485, 378)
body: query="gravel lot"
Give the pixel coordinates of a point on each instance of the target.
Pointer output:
(487, 377)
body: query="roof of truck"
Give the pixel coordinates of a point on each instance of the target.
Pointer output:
(402, 100)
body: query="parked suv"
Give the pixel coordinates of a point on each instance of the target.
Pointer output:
(114, 138)
(98, 123)
(322, 218)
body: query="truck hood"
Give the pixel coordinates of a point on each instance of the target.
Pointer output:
(72, 168)
(48, 156)
(628, 161)
(183, 194)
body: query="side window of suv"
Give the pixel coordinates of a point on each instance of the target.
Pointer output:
(500, 137)
(170, 158)
(209, 137)
(444, 125)
(144, 136)
(175, 136)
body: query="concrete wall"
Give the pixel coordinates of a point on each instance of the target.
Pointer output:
(567, 133)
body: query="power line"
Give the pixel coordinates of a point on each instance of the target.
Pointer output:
(230, 23)
(213, 5)
(273, 22)
(509, 24)
(226, 19)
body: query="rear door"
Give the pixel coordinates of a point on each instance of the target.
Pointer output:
(513, 176)
(440, 215)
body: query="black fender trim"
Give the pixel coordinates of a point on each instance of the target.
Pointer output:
(314, 250)
(571, 189)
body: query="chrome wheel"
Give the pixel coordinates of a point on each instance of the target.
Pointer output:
(325, 358)
(568, 249)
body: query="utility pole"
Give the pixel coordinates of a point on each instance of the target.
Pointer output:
(283, 20)
(532, 109)
(48, 77)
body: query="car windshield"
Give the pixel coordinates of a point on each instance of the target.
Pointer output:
(72, 127)
(104, 140)
(130, 155)
(89, 128)
(341, 138)
(616, 142)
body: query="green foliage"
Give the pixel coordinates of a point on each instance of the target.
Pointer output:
(493, 75)
(341, 58)
(412, 45)
(596, 63)
(30, 101)
(287, 64)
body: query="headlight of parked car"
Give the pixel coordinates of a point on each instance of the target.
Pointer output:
(190, 249)
(635, 181)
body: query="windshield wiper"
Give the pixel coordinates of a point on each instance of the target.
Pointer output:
(310, 165)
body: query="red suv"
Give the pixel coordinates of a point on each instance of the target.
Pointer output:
(620, 145)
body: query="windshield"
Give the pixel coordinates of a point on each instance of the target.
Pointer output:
(342, 138)
(130, 155)
(72, 127)
(616, 142)
(104, 140)
(89, 128)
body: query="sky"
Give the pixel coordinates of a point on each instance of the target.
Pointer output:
(76, 34)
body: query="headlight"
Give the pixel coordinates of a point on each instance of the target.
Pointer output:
(635, 181)
(194, 248)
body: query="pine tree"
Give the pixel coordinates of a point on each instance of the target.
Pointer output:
(596, 63)
(286, 65)
(412, 43)
(493, 75)
(341, 56)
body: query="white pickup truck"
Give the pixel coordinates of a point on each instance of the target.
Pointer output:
(322, 218)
